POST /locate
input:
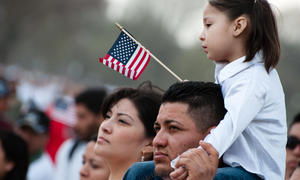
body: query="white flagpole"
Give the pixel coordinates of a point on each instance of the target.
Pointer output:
(155, 58)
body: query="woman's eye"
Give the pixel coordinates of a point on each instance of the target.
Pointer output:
(207, 25)
(156, 129)
(94, 166)
(123, 121)
(106, 116)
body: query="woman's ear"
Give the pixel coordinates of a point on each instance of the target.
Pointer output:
(147, 152)
(240, 25)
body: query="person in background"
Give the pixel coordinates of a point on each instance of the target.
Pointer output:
(293, 147)
(14, 159)
(127, 130)
(296, 173)
(4, 98)
(88, 119)
(33, 127)
(93, 166)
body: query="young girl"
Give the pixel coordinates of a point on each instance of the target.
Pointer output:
(241, 37)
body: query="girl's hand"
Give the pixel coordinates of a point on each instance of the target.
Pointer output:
(197, 163)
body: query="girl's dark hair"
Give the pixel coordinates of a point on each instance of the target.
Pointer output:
(263, 33)
(146, 98)
(15, 150)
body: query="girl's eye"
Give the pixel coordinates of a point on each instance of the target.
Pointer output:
(207, 25)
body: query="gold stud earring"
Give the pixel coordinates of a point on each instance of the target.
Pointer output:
(143, 158)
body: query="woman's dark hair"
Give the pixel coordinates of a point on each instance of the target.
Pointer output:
(263, 33)
(146, 98)
(15, 150)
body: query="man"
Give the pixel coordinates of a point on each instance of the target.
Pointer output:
(188, 112)
(293, 147)
(69, 156)
(33, 127)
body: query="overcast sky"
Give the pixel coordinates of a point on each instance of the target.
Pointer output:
(187, 32)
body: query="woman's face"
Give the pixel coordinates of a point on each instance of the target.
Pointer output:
(93, 166)
(121, 135)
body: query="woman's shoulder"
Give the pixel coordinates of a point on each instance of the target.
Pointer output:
(141, 170)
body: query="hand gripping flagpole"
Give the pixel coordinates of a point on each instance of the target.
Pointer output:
(155, 58)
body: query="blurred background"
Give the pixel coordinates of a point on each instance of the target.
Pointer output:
(56, 44)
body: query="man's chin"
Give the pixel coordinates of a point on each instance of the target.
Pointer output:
(163, 169)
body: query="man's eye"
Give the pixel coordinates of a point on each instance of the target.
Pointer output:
(173, 128)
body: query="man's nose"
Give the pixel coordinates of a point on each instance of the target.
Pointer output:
(160, 140)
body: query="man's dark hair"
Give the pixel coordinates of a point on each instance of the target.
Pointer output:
(204, 99)
(92, 99)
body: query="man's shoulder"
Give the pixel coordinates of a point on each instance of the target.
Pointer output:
(141, 171)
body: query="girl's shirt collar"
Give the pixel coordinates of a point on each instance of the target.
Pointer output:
(224, 71)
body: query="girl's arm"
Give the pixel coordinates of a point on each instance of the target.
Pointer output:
(243, 100)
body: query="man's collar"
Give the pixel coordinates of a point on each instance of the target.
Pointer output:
(224, 71)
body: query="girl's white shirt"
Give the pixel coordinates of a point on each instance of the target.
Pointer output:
(253, 133)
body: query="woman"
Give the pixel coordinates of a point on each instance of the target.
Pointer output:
(14, 158)
(93, 166)
(127, 130)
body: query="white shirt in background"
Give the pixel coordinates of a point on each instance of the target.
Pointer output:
(41, 169)
(68, 169)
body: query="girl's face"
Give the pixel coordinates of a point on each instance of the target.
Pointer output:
(121, 135)
(217, 37)
(93, 166)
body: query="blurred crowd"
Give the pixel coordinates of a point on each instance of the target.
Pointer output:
(49, 127)
(45, 123)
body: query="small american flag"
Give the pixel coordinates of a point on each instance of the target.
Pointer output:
(126, 57)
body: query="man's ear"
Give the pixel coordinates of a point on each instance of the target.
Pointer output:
(208, 130)
(240, 25)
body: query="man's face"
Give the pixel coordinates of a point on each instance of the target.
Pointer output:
(87, 123)
(176, 133)
(293, 155)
